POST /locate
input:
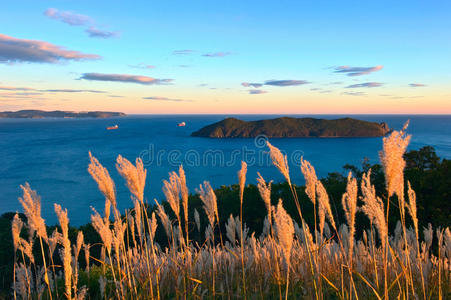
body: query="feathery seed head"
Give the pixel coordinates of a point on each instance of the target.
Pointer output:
(164, 219)
(284, 228)
(280, 161)
(374, 208)
(393, 161)
(412, 206)
(104, 182)
(265, 192)
(242, 178)
(197, 219)
(135, 176)
(184, 192)
(31, 203)
(102, 228)
(172, 192)
(349, 202)
(16, 228)
(208, 197)
(324, 204)
(153, 225)
(310, 179)
(79, 243)
(66, 252)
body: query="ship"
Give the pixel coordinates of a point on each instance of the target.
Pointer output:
(112, 127)
(181, 124)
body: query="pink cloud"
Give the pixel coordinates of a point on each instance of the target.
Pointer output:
(20, 50)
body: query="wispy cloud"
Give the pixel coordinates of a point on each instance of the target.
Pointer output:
(280, 83)
(155, 98)
(251, 84)
(257, 92)
(99, 33)
(357, 71)
(285, 82)
(115, 96)
(125, 78)
(417, 85)
(354, 93)
(68, 17)
(75, 19)
(142, 66)
(22, 95)
(14, 94)
(11, 88)
(73, 91)
(183, 52)
(14, 50)
(216, 54)
(364, 85)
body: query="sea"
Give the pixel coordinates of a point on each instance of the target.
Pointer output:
(52, 155)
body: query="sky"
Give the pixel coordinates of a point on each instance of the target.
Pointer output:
(227, 57)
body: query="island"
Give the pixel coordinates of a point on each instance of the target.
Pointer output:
(39, 114)
(293, 127)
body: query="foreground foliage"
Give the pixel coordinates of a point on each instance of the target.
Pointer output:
(174, 250)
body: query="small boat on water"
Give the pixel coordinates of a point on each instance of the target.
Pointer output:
(181, 124)
(112, 127)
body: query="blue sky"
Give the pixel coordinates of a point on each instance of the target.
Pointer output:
(301, 56)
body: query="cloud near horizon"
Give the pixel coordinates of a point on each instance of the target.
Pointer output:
(417, 85)
(354, 93)
(357, 71)
(257, 92)
(364, 85)
(125, 78)
(14, 50)
(73, 91)
(250, 84)
(11, 88)
(68, 17)
(155, 98)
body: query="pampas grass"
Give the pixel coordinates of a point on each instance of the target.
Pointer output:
(349, 202)
(310, 264)
(66, 253)
(135, 176)
(103, 180)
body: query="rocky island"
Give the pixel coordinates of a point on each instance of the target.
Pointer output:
(39, 114)
(292, 128)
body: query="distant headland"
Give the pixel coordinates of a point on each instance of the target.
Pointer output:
(293, 127)
(39, 114)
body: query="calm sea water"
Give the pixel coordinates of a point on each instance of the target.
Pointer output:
(52, 155)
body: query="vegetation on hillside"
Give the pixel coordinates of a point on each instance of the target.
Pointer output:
(293, 127)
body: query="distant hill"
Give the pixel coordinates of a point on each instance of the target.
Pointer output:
(293, 127)
(38, 114)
